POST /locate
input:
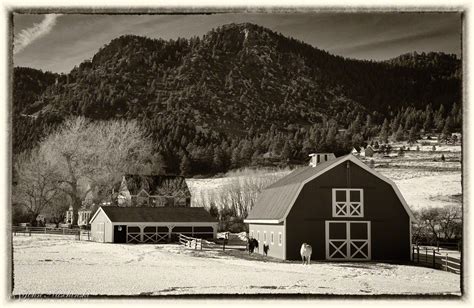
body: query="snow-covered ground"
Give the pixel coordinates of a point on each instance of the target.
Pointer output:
(48, 264)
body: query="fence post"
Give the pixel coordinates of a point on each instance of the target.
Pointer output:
(44, 230)
(434, 259)
(446, 264)
(63, 231)
(413, 253)
(418, 253)
(426, 254)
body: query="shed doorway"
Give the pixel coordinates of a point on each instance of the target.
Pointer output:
(348, 240)
(120, 234)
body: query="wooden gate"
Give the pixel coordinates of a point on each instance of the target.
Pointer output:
(154, 234)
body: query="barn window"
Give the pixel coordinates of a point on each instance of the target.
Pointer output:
(279, 238)
(264, 236)
(258, 235)
(347, 203)
(271, 238)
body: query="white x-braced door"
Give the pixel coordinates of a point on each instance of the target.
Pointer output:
(348, 240)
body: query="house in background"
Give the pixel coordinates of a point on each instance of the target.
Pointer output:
(152, 191)
(341, 207)
(114, 224)
(367, 152)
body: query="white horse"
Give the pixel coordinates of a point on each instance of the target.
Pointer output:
(306, 251)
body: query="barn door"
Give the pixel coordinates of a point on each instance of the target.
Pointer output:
(348, 240)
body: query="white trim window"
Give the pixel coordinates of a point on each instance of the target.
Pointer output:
(271, 238)
(347, 202)
(265, 237)
(251, 234)
(280, 239)
(258, 235)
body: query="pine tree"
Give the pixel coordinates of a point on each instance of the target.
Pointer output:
(412, 135)
(286, 151)
(385, 131)
(428, 124)
(214, 210)
(185, 166)
(235, 158)
(448, 127)
(400, 134)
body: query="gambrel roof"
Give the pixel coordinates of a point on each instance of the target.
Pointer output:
(276, 201)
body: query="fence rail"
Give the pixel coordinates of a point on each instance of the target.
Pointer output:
(433, 258)
(28, 231)
(189, 241)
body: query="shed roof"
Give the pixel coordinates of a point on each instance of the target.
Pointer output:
(157, 214)
(275, 202)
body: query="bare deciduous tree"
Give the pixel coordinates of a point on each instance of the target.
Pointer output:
(436, 224)
(92, 155)
(35, 187)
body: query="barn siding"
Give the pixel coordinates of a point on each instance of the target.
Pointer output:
(390, 222)
(96, 228)
(274, 250)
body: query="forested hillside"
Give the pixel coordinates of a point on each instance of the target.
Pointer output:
(242, 95)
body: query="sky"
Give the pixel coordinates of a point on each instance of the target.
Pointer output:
(57, 42)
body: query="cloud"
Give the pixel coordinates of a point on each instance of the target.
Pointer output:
(38, 30)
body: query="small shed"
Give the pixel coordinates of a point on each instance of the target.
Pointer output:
(344, 209)
(367, 152)
(113, 224)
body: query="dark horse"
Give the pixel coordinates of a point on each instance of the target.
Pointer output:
(252, 244)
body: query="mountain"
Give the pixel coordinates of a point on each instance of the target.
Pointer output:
(237, 82)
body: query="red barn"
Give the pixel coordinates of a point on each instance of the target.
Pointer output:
(341, 207)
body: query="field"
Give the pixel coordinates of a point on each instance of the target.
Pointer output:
(423, 179)
(48, 264)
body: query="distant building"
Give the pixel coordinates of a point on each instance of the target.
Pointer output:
(83, 216)
(318, 158)
(152, 191)
(367, 152)
(355, 151)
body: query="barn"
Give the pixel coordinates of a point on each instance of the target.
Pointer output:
(341, 207)
(113, 224)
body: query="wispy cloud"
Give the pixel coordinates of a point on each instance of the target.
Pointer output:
(29, 35)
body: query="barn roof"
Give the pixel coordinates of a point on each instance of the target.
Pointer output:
(156, 214)
(275, 202)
